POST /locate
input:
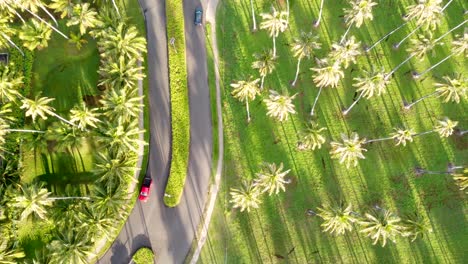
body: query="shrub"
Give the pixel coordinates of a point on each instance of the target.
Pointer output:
(143, 256)
(180, 113)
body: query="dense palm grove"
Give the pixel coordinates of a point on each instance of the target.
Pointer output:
(379, 224)
(75, 220)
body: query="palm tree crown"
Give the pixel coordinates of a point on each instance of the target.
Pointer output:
(35, 35)
(416, 226)
(38, 107)
(460, 45)
(9, 84)
(85, 17)
(349, 151)
(311, 137)
(401, 135)
(426, 12)
(271, 178)
(245, 90)
(381, 226)
(421, 45)
(337, 219)
(346, 52)
(280, 106)
(452, 89)
(247, 197)
(304, 45)
(275, 22)
(327, 74)
(32, 201)
(445, 127)
(371, 83)
(360, 11)
(84, 117)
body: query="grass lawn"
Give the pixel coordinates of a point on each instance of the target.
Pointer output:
(385, 177)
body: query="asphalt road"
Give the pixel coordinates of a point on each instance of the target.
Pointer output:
(170, 231)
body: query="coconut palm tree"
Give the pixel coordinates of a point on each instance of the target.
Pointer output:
(32, 201)
(246, 197)
(265, 64)
(401, 135)
(445, 127)
(35, 35)
(122, 103)
(33, 5)
(451, 89)
(461, 179)
(114, 168)
(8, 8)
(120, 136)
(85, 17)
(349, 151)
(122, 40)
(9, 84)
(303, 47)
(317, 22)
(274, 23)
(279, 106)
(416, 226)
(245, 91)
(311, 137)
(120, 71)
(8, 254)
(254, 25)
(326, 75)
(337, 219)
(64, 7)
(381, 225)
(78, 40)
(6, 32)
(459, 47)
(271, 178)
(71, 245)
(345, 52)
(420, 46)
(84, 117)
(110, 199)
(39, 107)
(360, 11)
(372, 83)
(97, 222)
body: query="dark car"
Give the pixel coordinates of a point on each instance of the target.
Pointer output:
(145, 189)
(198, 16)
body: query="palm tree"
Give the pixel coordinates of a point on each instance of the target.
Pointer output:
(119, 71)
(274, 23)
(71, 246)
(85, 17)
(84, 117)
(78, 40)
(279, 106)
(271, 178)
(401, 135)
(459, 47)
(311, 137)
(253, 16)
(98, 222)
(122, 40)
(114, 168)
(451, 89)
(337, 219)
(9, 84)
(360, 11)
(9, 255)
(380, 226)
(371, 83)
(416, 226)
(122, 103)
(6, 31)
(445, 127)
(33, 6)
(327, 75)
(420, 46)
(303, 47)
(39, 107)
(112, 200)
(35, 35)
(32, 201)
(246, 197)
(349, 151)
(317, 22)
(65, 7)
(345, 52)
(8, 8)
(461, 179)
(245, 91)
(265, 63)
(121, 136)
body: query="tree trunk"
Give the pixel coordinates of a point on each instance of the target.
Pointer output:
(287, 11)
(45, 22)
(346, 111)
(345, 34)
(406, 37)
(433, 66)
(49, 14)
(448, 32)
(387, 76)
(261, 83)
(274, 47)
(384, 37)
(317, 23)
(423, 133)
(24, 130)
(420, 99)
(68, 198)
(12, 43)
(248, 111)
(297, 72)
(253, 16)
(62, 119)
(315, 101)
(115, 7)
(377, 140)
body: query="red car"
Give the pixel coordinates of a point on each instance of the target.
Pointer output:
(145, 189)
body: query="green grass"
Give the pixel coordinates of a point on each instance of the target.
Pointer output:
(385, 177)
(180, 115)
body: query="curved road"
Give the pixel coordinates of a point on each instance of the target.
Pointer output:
(170, 231)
